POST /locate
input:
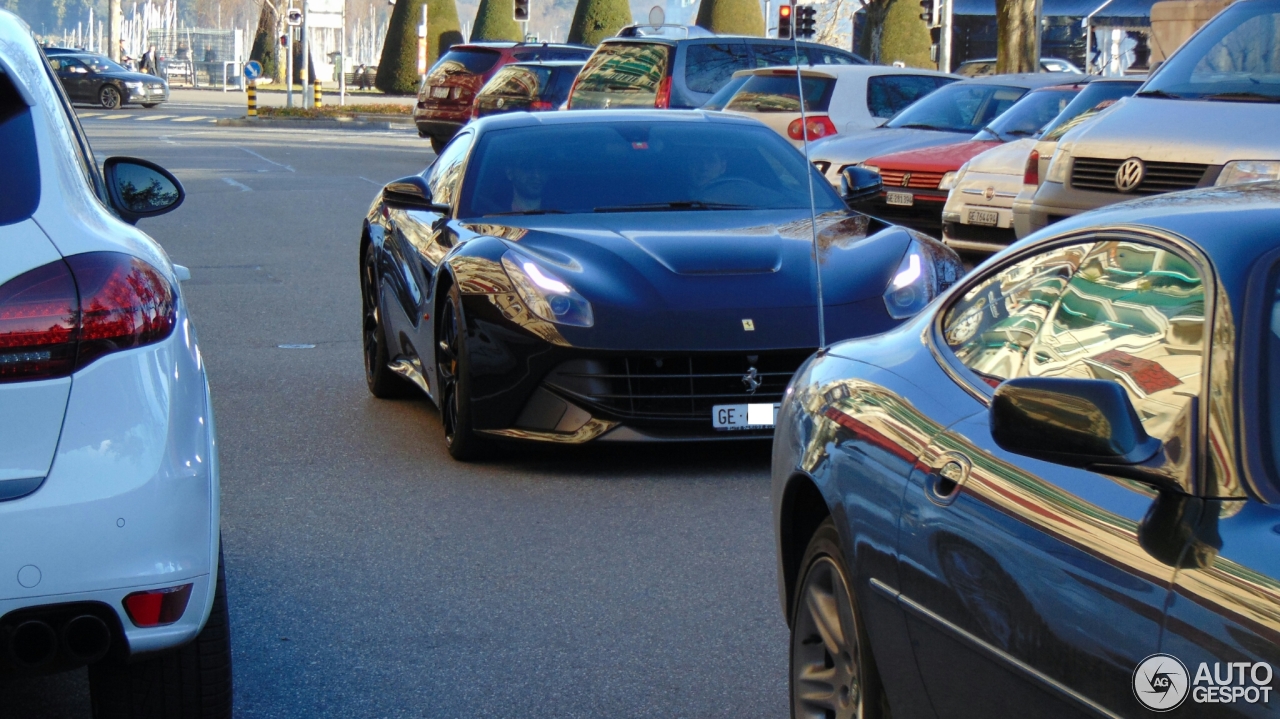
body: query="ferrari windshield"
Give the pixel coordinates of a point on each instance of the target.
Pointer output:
(637, 167)
(1235, 58)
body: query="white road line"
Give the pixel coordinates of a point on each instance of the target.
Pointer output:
(156, 117)
(233, 183)
(114, 117)
(260, 157)
(193, 118)
(88, 114)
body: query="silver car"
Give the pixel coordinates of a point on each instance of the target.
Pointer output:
(1207, 117)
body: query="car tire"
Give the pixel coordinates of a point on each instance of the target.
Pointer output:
(150, 105)
(191, 682)
(832, 671)
(109, 97)
(383, 383)
(453, 380)
(438, 143)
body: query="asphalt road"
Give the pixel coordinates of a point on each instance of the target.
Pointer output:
(370, 575)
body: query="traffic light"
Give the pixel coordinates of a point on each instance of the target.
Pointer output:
(806, 21)
(521, 11)
(929, 14)
(784, 22)
(284, 41)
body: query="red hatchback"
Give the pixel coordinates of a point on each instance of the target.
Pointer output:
(446, 95)
(916, 182)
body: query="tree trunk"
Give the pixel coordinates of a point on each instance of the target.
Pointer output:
(1016, 36)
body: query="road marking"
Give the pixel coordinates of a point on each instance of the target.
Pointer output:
(191, 119)
(243, 187)
(88, 114)
(371, 182)
(114, 117)
(156, 117)
(273, 162)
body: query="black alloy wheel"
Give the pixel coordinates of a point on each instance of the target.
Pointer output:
(383, 383)
(453, 380)
(109, 97)
(833, 675)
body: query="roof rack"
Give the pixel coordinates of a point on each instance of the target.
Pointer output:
(678, 32)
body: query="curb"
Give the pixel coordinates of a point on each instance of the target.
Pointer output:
(357, 122)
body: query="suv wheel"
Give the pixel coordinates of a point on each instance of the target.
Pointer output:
(193, 681)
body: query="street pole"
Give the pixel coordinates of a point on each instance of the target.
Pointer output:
(1039, 32)
(113, 31)
(306, 58)
(288, 72)
(944, 52)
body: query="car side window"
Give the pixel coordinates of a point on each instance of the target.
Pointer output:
(446, 174)
(887, 94)
(823, 57)
(1133, 313)
(709, 66)
(771, 54)
(993, 324)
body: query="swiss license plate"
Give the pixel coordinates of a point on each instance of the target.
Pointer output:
(439, 92)
(901, 199)
(987, 218)
(743, 416)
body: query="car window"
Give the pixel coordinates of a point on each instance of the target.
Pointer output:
(888, 94)
(513, 81)
(1095, 97)
(958, 107)
(775, 54)
(726, 93)
(1028, 116)
(826, 57)
(621, 75)
(20, 179)
(1235, 56)
(1132, 313)
(781, 93)
(98, 63)
(557, 90)
(446, 172)
(474, 61)
(707, 67)
(990, 328)
(1270, 390)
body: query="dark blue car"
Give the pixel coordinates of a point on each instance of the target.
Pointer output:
(1055, 491)
(629, 276)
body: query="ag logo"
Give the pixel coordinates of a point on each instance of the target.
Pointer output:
(1161, 682)
(1130, 174)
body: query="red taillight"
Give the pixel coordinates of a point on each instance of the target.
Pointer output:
(539, 105)
(663, 100)
(62, 316)
(157, 606)
(817, 127)
(1031, 175)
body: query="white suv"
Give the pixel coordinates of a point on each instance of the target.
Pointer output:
(109, 532)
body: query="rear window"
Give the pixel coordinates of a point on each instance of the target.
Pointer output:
(516, 81)
(781, 93)
(20, 178)
(557, 89)
(474, 61)
(726, 93)
(708, 67)
(888, 94)
(621, 75)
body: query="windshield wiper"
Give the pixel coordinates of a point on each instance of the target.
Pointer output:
(998, 136)
(927, 126)
(1242, 97)
(682, 205)
(525, 212)
(1160, 94)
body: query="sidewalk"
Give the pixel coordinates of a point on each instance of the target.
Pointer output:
(276, 98)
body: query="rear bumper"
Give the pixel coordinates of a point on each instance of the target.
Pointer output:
(132, 499)
(442, 123)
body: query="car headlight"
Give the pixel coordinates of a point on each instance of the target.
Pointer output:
(1242, 171)
(546, 295)
(873, 168)
(134, 86)
(922, 275)
(950, 179)
(1058, 167)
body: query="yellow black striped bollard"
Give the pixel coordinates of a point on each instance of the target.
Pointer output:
(252, 91)
(319, 101)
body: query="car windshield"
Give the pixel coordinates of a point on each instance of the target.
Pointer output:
(1094, 98)
(959, 107)
(621, 75)
(1032, 112)
(98, 63)
(726, 93)
(517, 81)
(1235, 58)
(779, 92)
(472, 60)
(637, 166)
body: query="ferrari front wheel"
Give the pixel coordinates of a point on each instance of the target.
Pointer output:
(453, 375)
(383, 383)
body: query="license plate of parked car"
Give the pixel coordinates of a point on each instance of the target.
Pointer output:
(438, 92)
(743, 416)
(901, 199)
(988, 218)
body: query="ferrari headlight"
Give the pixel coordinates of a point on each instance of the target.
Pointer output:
(1058, 167)
(1242, 171)
(546, 295)
(920, 277)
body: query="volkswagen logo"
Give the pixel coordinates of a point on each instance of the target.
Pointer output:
(1130, 174)
(751, 380)
(906, 180)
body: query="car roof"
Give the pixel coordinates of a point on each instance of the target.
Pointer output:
(674, 41)
(1027, 80)
(507, 45)
(845, 70)
(587, 117)
(548, 63)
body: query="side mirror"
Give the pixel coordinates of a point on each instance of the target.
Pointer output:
(858, 184)
(411, 192)
(139, 189)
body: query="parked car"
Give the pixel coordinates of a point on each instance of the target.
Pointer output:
(1064, 466)
(97, 80)
(109, 486)
(682, 67)
(1197, 122)
(948, 115)
(620, 276)
(526, 87)
(916, 182)
(449, 89)
(987, 66)
(838, 98)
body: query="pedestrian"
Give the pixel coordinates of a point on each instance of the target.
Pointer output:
(149, 61)
(363, 76)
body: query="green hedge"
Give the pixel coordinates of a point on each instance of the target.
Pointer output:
(494, 21)
(731, 17)
(398, 68)
(595, 20)
(894, 32)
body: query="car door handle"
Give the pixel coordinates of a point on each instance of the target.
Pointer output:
(947, 478)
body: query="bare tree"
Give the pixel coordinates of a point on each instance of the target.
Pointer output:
(1016, 36)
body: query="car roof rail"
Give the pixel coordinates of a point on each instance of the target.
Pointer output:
(670, 31)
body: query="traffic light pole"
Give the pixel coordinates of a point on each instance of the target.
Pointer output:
(944, 52)
(800, 21)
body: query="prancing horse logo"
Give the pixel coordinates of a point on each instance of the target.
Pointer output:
(751, 380)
